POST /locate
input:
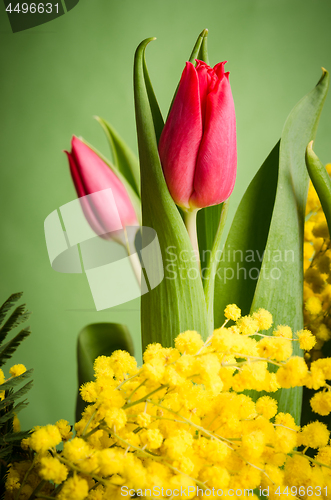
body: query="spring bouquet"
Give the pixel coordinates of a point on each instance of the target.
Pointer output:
(233, 396)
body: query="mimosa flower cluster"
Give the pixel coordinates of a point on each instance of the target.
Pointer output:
(317, 267)
(181, 421)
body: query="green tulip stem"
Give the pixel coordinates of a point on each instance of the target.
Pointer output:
(133, 257)
(190, 219)
(212, 267)
(136, 266)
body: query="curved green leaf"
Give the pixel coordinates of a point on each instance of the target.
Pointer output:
(155, 110)
(124, 159)
(280, 286)
(98, 339)
(321, 181)
(199, 52)
(241, 259)
(177, 304)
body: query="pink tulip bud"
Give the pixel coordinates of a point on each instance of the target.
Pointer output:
(197, 147)
(91, 175)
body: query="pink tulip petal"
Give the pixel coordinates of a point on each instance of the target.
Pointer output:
(105, 211)
(95, 176)
(87, 209)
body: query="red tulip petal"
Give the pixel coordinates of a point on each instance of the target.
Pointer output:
(217, 158)
(181, 136)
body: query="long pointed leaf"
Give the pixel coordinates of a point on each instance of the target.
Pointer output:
(154, 106)
(98, 339)
(177, 304)
(280, 286)
(321, 181)
(199, 52)
(241, 260)
(124, 159)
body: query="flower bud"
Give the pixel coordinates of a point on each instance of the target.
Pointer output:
(91, 174)
(197, 146)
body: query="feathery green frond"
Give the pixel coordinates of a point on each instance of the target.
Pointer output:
(8, 305)
(8, 349)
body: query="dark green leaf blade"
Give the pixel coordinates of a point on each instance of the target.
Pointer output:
(283, 295)
(10, 398)
(98, 339)
(176, 304)
(8, 349)
(154, 106)
(15, 436)
(124, 159)
(243, 251)
(321, 181)
(16, 318)
(199, 52)
(8, 305)
(14, 411)
(15, 380)
(207, 224)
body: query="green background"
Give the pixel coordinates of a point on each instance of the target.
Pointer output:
(57, 76)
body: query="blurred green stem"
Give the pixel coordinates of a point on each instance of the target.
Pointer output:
(190, 219)
(209, 278)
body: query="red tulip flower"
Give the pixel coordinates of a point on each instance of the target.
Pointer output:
(90, 175)
(197, 147)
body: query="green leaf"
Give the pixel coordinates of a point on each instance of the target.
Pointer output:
(98, 339)
(209, 275)
(15, 436)
(8, 305)
(14, 411)
(199, 52)
(124, 159)
(4, 452)
(247, 239)
(10, 398)
(207, 223)
(177, 304)
(283, 296)
(155, 110)
(8, 349)
(19, 316)
(15, 380)
(321, 181)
